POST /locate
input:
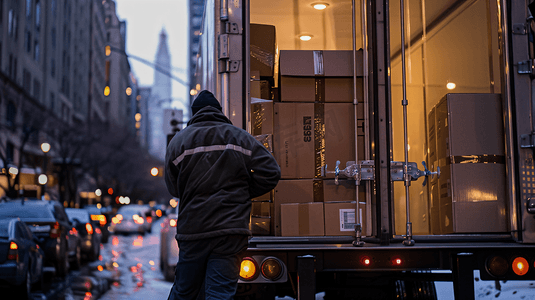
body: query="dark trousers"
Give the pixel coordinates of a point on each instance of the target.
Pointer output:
(208, 268)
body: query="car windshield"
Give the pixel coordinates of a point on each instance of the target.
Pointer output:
(25, 211)
(80, 214)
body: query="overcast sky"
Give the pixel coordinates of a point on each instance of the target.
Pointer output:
(144, 22)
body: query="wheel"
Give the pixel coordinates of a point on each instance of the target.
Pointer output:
(24, 290)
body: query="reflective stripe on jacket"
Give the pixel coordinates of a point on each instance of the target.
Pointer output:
(215, 168)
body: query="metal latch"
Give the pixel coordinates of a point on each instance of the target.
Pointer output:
(232, 28)
(527, 140)
(229, 66)
(223, 46)
(525, 67)
(519, 28)
(365, 170)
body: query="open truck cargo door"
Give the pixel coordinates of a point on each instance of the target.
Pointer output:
(221, 63)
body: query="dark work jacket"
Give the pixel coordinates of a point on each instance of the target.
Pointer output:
(215, 168)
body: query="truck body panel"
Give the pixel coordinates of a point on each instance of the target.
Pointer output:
(463, 106)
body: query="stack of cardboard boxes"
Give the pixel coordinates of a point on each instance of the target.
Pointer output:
(313, 124)
(466, 141)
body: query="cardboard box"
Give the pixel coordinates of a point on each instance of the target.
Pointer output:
(302, 219)
(311, 190)
(261, 208)
(262, 116)
(340, 218)
(324, 76)
(471, 187)
(260, 225)
(310, 135)
(290, 191)
(263, 45)
(344, 191)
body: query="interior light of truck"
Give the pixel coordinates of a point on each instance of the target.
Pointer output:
(366, 261)
(497, 266)
(305, 37)
(520, 266)
(248, 269)
(271, 268)
(396, 261)
(320, 5)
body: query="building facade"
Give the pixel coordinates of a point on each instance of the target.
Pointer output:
(196, 10)
(52, 79)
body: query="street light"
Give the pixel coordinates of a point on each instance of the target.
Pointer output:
(43, 179)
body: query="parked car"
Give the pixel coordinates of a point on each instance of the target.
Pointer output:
(129, 219)
(168, 246)
(87, 231)
(21, 258)
(49, 223)
(101, 217)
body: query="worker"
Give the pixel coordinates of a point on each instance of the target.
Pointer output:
(215, 169)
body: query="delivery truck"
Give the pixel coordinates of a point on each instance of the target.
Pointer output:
(405, 135)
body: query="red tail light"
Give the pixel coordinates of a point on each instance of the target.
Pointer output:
(89, 228)
(55, 231)
(13, 253)
(149, 219)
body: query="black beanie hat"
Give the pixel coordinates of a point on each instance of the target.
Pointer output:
(205, 98)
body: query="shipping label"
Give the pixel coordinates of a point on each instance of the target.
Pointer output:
(347, 220)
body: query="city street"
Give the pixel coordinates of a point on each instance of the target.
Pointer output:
(131, 264)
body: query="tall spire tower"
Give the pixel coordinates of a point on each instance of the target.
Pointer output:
(160, 98)
(162, 82)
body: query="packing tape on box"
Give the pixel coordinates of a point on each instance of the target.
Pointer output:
(258, 114)
(266, 140)
(318, 190)
(263, 56)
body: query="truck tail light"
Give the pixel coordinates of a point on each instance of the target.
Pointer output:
(89, 228)
(271, 268)
(366, 261)
(397, 261)
(55, 231)
(248, 269)
(520, 266)
(13, 253)
(497, 266)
